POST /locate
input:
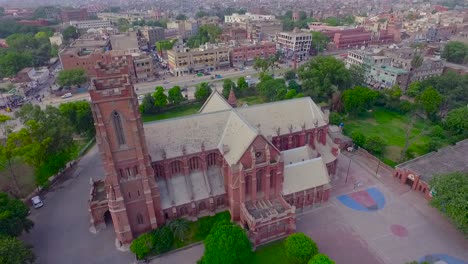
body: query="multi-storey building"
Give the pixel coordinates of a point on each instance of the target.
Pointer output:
(208, 57)
(85, 25)
(244, 53)
(263, 30)
(186, 28)
(152, 34)
(262, 163)
(234, 33)
(385, 76)
(68, 15)
(237, 18)
(294, 44)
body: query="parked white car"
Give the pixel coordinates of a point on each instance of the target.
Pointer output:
(37, 202)
(141, 96)
(67, 95)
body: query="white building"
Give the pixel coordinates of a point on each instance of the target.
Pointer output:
(56, 39)
(237, 18)
(83, 26)
(295, 43)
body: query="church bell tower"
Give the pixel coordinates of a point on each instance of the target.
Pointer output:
(132, 192)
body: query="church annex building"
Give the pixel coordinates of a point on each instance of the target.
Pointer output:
(263, 163)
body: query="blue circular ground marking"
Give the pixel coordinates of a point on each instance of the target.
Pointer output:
(433, 258)
(368, 200)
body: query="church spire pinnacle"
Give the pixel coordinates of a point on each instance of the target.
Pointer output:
(232, 100)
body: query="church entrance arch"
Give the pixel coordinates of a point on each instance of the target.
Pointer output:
(108, 219)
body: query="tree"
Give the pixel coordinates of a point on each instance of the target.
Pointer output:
(358, 138)
(70, 33)
(335, 118)
(414, 89)
(206, 33)
(375, 144)
(456, 52)
(300, 248)
(228, 244)
(202, 91)
(175, 95)
(290, 75)
(357, 73)
(269, 88)
(160, 98)
(163, 45)
(429, 100)
(13, 217)
(227, 86)
(457, 121)
(262, 65)
(164, 240)
(417, 60)
(201, 13)
(242, 86)
(358, 100)
(180, 228)
(73, 77)
(181, 17)
(143, 245)
(80, 116)
(123, 25)
(449, 195)
(11, 62)
(321, 259)
(319, 41)
(323, 75)
(290, 94)
(147, 105)
(293, 85)
(14, 251)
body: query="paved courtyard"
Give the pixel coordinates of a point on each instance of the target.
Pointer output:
(361, 229)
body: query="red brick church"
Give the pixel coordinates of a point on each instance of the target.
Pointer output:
(263, 163)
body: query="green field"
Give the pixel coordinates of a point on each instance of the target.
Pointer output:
(250, 100)
(179, 111)
(272, 253)
(391, 127)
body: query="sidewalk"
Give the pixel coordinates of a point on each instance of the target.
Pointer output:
(187, 256)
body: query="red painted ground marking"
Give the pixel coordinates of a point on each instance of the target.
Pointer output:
(363, 198)
(399, 230)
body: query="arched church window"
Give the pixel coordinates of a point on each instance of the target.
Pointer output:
(139, 219)
(259, 180)
(117, 120)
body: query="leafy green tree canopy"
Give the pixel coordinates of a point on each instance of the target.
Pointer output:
(143, 245)
(456, 52)
(228, 84)
(160, 98)
(80, 116)
(175, 95)
(14, 251)
(319, 41)
(450, 194)
(228, 244)
(457, 121)
(206, 33)
(358, 100)
(321, 259)
(430, 101)
(70, 33)
(202, 91)
(73, 77)
(300, 248)
(13, 217)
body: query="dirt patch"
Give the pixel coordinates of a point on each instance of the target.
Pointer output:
(24, 174)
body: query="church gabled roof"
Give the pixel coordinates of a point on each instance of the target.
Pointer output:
(231, 130)
(215, 102)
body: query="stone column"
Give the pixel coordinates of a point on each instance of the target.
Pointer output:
(254, 185)
(267, 182)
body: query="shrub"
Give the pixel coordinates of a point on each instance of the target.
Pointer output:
(204, 226)
(358, 138)
(335, 118)
(300, 248)
(227, 244)
(143, 245)
(164, 240)
(180, 228)
(320, 259)
(375, 144)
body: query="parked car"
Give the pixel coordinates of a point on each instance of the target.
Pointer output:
(141, 96)
(67, 95)
(37, 202)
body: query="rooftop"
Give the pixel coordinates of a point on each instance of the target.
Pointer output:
(448, 159)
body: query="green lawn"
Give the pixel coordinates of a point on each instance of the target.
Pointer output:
(250, 100)
(391, 127)
(179, 111)
(201, 228)
(272, 253)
